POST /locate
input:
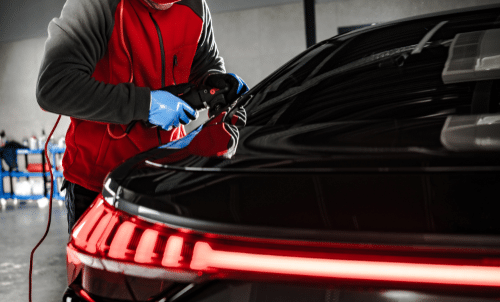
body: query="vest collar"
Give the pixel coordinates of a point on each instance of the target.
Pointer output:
(160, 4)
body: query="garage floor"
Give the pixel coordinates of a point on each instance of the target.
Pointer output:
(21, 227)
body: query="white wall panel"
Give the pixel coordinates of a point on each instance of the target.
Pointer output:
(20, 115)
(332, 14)
(253, 42)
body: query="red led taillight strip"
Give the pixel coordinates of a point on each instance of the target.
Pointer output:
(130, 269)
(173, 252)
(106, 238)
(206, 259)
(97, 233)
(118, 248)
(145, 250)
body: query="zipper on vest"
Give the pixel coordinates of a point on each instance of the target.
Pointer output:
(175, 63)
(162, 51)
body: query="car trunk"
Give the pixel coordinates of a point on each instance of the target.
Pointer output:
(415, 208)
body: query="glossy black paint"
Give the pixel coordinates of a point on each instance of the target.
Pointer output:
(455, 202)
(343, 144)
(346, 137)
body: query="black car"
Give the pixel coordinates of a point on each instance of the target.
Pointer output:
(368, 170)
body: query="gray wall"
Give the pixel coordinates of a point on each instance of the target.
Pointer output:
(20, 114)
(254, 42)
(25, 19)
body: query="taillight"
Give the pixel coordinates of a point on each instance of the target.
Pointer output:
(109, 239)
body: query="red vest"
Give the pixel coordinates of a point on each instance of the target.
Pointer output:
(133, 52)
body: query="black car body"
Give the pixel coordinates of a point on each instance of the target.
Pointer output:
(369, 170)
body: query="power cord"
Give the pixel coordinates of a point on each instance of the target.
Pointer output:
(50, 219)
(50, 209)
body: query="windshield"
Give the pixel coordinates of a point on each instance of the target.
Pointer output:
(371, 76)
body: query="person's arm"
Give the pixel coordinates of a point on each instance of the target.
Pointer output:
(77, 41)
(207, 59)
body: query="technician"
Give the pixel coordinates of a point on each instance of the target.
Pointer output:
(105, 64)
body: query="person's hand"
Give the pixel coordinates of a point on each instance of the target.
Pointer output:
(169, 111)
(219, 137)
(188, 93)
(236, 85)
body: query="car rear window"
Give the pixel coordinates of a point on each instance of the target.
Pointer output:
(372, 76)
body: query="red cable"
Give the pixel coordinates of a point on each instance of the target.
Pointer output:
(131, 79)
(129, 57)
(122, 40)
(116, 137)
(48, 160)
(50, 208)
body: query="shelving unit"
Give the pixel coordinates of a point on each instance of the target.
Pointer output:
(37, 170)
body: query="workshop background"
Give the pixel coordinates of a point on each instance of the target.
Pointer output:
(254, 36)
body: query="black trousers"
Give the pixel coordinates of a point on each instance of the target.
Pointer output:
(78, 199)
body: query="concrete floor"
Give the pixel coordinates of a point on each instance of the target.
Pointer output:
(21, 227)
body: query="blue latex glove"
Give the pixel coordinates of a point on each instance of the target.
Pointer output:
(183, 142)
(168, 111)
(242, 86)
